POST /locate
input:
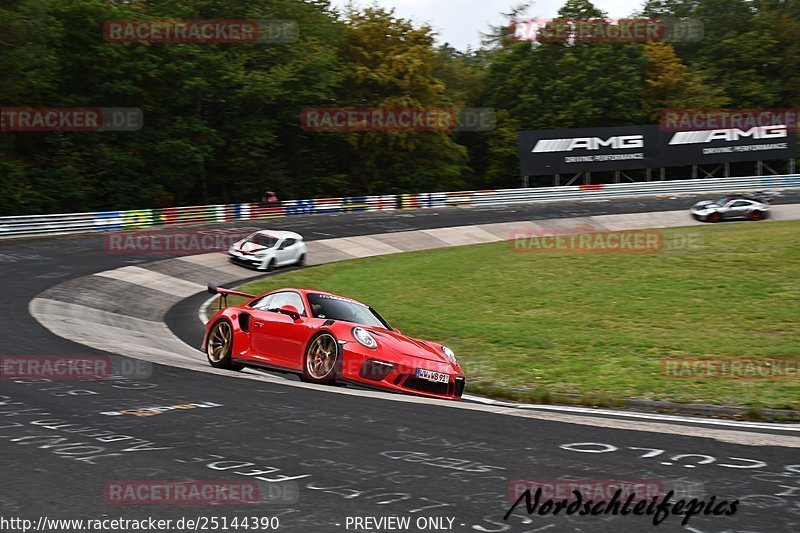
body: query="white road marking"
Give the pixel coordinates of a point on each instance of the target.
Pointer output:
(153, 341)
(202, 313)
(633, 414)
(153, 280)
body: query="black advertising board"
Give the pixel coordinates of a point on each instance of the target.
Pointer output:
(636, 147)
(588, 149)
(727, 145)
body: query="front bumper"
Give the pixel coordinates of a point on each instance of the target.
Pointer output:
(244, 259)
(370, 370)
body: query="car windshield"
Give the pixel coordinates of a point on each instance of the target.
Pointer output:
(338, 308)
(262, 240)
(723, 201)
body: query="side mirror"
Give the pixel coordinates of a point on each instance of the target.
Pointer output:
(291, 311)
(397, 331)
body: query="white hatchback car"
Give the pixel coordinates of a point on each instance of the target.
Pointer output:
(268, 249)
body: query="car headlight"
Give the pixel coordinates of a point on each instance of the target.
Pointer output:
(449, 353)
(363, 337)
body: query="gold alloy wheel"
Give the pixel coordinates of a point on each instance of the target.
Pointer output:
(219, 341)
(321, 357)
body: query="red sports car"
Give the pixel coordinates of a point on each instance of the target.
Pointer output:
(327, 338)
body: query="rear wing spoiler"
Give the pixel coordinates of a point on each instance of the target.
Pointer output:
(213, 289)
(225, 292)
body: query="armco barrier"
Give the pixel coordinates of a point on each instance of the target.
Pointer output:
(32, 225)
(582, 192)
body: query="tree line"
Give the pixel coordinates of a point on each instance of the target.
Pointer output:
(222, 121)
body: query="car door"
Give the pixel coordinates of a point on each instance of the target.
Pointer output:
(285, 252)
(737, 209)
(259, 349)
(277, 338)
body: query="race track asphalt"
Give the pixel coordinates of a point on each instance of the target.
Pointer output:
(320, 458)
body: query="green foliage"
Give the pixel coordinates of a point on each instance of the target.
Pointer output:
(748, 58)
(222, 121)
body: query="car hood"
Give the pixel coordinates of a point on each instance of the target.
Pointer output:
(408, 345)
(248, 247)
(705, 204)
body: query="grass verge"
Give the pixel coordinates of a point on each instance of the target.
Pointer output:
(546, 326)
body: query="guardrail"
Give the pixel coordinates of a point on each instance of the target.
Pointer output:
(32, 225)
(60, 224)
(583, 192)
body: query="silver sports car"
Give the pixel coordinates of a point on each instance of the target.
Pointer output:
(729, 207)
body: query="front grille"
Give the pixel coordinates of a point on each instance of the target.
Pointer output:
(423, 385)
(375, 370)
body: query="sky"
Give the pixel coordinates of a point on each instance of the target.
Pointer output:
(460, 22)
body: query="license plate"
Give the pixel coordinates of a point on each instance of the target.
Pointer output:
(430, 375)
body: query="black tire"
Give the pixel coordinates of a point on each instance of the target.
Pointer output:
(271, 265)
(327, 373)
(219, 346)
(302, 261)
(714, 217)
(756, 215)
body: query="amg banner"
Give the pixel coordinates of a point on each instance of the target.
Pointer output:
(588, 149)
(698, 147)
(635, 147)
